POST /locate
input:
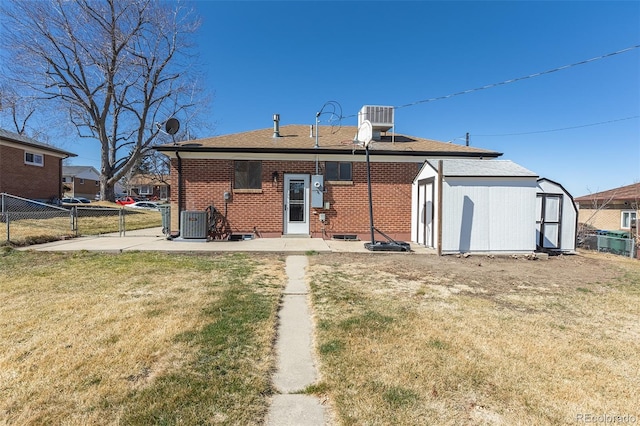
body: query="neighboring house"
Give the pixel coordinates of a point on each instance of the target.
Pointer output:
(30, 169)
(297, 180)
(80, 181)
(612, 210)
(150, 186)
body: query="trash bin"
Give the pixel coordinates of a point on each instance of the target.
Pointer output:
(618, 241)
(165, 212)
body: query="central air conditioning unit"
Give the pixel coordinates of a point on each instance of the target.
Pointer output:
(381, 117)
(193, 224)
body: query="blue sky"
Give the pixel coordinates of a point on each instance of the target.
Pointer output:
(291, 57)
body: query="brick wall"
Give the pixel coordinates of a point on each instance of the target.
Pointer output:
(29, 181)
(609, 219)
(88, 189)
(206, 181)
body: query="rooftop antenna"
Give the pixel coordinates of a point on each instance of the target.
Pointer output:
(364, 137)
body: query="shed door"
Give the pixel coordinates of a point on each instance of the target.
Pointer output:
(425, 214)
(548, 224)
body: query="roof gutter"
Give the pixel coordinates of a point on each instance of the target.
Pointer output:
(314, 151)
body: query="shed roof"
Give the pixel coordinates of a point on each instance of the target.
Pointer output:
(24, 140)
(300, 139)
(481, 168)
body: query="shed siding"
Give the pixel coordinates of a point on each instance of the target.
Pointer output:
(488, 214)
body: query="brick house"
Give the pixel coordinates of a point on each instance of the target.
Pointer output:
(30, 169)
(80, 181)
(301, 180)
(150, 186)
(611, 210)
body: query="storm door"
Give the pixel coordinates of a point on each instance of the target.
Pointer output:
(296, 204)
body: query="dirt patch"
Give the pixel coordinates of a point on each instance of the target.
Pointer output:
(477, 340)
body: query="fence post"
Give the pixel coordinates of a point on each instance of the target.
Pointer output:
(6, 215)
(73, 218)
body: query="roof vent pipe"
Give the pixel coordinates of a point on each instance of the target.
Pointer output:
(276, 125)
(311, 131)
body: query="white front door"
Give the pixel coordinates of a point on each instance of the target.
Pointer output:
(296, 204)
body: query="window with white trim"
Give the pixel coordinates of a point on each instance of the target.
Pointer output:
(33, 159)
(145, 190)
(626, 218)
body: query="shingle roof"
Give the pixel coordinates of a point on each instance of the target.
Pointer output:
(297, 139)
(23, 140)
(623, 193)
(75, 170)
(486, 168)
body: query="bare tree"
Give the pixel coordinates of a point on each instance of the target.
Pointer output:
(115, 68)
(18, 110)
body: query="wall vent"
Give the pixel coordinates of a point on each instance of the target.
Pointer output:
(193, 224)
(381, 117)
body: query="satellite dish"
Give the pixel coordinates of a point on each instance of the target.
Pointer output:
(365, 133)
(171, 126)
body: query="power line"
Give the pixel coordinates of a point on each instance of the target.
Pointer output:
(513, 80)
(563, 128)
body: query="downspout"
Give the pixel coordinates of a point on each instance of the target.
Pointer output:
(179, 189)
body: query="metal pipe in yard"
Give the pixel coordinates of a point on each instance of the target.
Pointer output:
(440, 197)
(373, 241)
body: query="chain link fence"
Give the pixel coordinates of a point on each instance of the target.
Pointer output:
(25, 222)
(610, 242)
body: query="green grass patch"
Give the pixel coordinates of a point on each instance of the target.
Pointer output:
(368, 321)
(137, 338)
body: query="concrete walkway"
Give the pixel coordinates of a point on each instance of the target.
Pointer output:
(151, 239)
(296, 366)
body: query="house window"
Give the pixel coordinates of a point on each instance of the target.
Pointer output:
(145, 190)
(81, 181)
(248, 175)
(67, 179)
(627, 217)
(337, 170)
(33, 159)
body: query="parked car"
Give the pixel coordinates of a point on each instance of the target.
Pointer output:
(75, 200)
(128, 200)
(149, 205)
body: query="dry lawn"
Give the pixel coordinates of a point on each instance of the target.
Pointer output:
(406, 339)
(91, 222)
(136, 338)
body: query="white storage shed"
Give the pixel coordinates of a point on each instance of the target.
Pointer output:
(481, 206)
(556, 218)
